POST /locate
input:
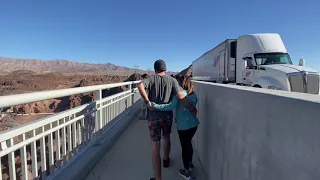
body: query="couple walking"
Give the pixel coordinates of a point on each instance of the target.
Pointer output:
(164, 95)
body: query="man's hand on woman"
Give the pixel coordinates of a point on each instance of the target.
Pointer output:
(149, 104)
(152, 105)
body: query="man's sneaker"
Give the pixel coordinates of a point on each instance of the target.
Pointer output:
(166, 162)
(191, 167)
(185, 174)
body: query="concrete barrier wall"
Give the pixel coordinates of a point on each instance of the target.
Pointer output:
(257, 134)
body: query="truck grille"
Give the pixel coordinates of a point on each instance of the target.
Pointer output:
(297, 83)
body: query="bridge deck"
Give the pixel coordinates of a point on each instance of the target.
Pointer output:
(130, 157)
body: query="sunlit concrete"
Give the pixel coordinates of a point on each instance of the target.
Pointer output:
(130, 157)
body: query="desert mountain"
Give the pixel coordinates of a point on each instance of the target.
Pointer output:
(39, 66)
(9, 65)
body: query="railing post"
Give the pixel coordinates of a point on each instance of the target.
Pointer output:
(132, 96)
(3, 145)
(98, 120)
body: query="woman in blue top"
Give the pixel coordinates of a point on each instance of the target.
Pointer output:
(187, 124)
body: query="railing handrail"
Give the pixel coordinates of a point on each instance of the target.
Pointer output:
(18, 99)
(47, 120)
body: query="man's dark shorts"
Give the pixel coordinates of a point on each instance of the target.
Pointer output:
(156, 126)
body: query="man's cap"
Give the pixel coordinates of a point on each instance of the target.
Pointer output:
(160, 65)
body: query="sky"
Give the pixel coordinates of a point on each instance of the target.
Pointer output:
(138, 32)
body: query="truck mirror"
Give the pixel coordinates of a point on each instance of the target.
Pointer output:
(301, 62)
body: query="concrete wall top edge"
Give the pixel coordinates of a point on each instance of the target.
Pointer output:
(294, 95)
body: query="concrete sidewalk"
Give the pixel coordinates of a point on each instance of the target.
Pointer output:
(130, 157)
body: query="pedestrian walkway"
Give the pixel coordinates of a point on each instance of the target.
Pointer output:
(130, 157)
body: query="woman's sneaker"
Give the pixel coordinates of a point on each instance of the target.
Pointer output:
(185, 174)
(191, 167)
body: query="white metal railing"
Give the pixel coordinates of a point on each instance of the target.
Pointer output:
(46, 145)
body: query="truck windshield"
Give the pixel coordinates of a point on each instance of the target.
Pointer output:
(273, 58)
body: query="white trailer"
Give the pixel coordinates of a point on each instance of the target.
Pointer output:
(216, 65)
(256, 60)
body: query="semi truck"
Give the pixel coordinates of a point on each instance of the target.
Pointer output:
(255, 60)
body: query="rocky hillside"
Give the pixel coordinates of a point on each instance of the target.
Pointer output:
(41, 82)
(39, 66)
(28, 81)
(9, 65)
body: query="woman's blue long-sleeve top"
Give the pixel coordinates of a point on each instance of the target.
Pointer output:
(184, 118)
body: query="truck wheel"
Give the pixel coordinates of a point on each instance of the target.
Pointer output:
(257, 86)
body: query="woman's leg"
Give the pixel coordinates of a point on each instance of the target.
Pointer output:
(186, 145)
(183, 136)
(187, 151)
(191, 133)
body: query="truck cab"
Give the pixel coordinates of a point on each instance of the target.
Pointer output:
(262, 61)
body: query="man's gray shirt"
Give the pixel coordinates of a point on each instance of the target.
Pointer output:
(160, 89)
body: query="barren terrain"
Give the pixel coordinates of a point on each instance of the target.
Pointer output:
(30, 75)
(25, 81)
(36, 76)
(28, 81)
(27, 76)
(66, 67)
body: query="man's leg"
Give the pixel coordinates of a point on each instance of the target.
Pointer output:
(166, 127)
(156, 160)
(166, 146)
(155, 134)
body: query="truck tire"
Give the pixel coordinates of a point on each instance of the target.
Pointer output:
(257, 86)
